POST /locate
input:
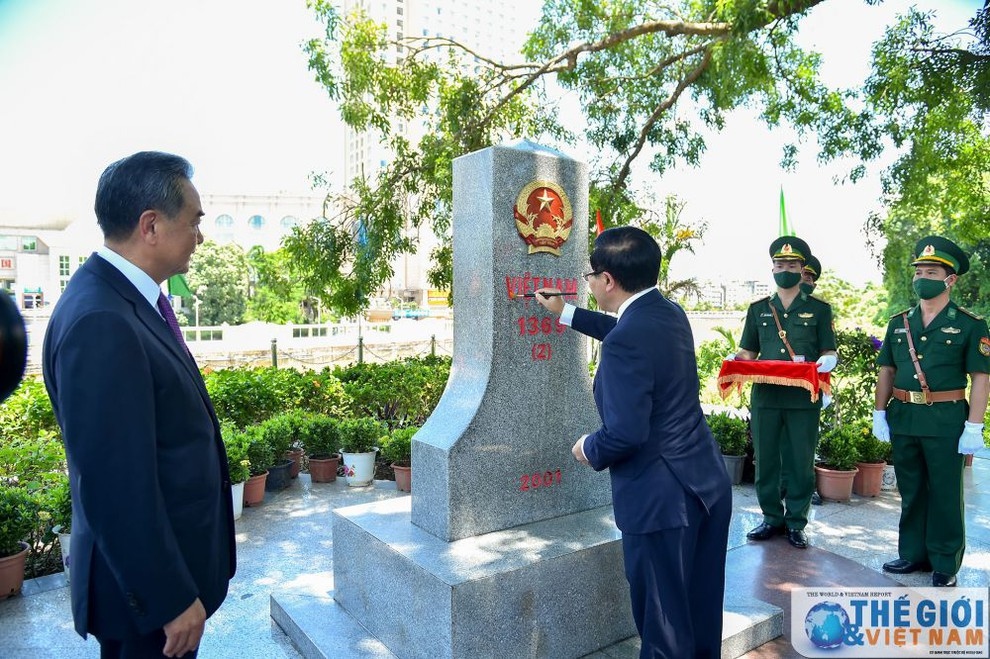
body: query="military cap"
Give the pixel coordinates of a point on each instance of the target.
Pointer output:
(789, 248)
(940, 251)
(813, 266)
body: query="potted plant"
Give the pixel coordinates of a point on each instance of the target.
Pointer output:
(238, 464)
(18, 515)
(278, 432)
(397, 451)
(61, 511)
(320, 437)
(359, 441)
(872, 461)
(260, 457)
(837, 458)
(731, 434)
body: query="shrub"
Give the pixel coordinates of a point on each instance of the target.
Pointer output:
(259, 451)
(320, 436)
(280, 432)
(361, 435)
(18, 518)
(28, 412)
(399, 393)
(870, 448)
(397, 446)
(236, 444)
(731, 433)
(837, 448)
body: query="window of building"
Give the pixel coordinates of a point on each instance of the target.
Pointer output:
(29, 244)
(224, 221)
(256, 222)
(8, 243)
(63, 266)
(398, 10)
(82, 259)
(288, 222)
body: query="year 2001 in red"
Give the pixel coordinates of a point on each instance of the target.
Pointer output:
(537, 480)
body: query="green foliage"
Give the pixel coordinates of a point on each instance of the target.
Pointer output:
(274, 296)
(838, 447)
(397, 448)
(361, 435)
(854, 379)
(59, 505)
(399, 393)
(259, 451)
(320, 436)
(870, 448)
(246, 396)
(33, 461)
(28, 412)
(218, 275)
(236, 443)
(18, 518)
(731, 433)
(281, 431)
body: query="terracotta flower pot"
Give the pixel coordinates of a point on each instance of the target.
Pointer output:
(834, 485)
(869, 479)
(403, 478)
(12, 573)
(324, 470)
(254, 490)
(296, 457)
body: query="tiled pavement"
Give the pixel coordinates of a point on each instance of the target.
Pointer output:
(285, 545)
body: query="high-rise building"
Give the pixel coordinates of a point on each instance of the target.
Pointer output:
(495, 30)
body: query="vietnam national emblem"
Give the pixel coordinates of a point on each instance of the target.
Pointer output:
(543, 216)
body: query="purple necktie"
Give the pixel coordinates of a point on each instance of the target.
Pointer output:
(169, 315)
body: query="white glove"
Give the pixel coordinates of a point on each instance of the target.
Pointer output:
(826, 363)
(880, 428)
(971, 439)
(826, 401)
(731, 357)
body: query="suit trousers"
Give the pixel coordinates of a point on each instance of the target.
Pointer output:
(930, 479)
(677, 582)
(784, 442)
(149, 646)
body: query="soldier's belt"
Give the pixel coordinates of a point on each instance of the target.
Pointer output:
(918, 397)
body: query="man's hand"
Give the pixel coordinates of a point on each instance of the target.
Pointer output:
(826, 363)
(183, 634)
(554, 304)
(971, 439)
(578, 450)
(880, 428)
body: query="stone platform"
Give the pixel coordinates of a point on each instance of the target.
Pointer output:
(553, 588)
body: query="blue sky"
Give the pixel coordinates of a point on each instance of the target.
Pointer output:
(225, 84)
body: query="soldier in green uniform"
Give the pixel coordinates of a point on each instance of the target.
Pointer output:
(789, 325)
(810, 273)
(921, 406)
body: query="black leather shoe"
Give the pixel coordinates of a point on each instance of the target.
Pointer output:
(903, 566)
(797, 538)
(764, 532)
(943, 580)
(816, 499)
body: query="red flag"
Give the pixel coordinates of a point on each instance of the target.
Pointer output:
(598, 222)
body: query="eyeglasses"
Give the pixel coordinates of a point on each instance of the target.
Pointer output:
(593, 273)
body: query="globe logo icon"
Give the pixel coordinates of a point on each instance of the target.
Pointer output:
(826, 625)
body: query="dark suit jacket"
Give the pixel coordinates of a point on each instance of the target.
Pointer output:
(152, 526)
(654, 439)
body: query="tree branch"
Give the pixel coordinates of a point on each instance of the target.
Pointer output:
(693, 76)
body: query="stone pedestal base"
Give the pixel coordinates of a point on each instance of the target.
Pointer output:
(554, 588)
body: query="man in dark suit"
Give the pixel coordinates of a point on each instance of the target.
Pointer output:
(152, 527)
(670, 490)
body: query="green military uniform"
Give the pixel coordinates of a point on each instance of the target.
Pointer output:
(784, 420)
(928, 465)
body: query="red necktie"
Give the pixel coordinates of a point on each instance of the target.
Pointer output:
(170, 319)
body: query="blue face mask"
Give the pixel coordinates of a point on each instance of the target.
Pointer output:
(786, 280)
